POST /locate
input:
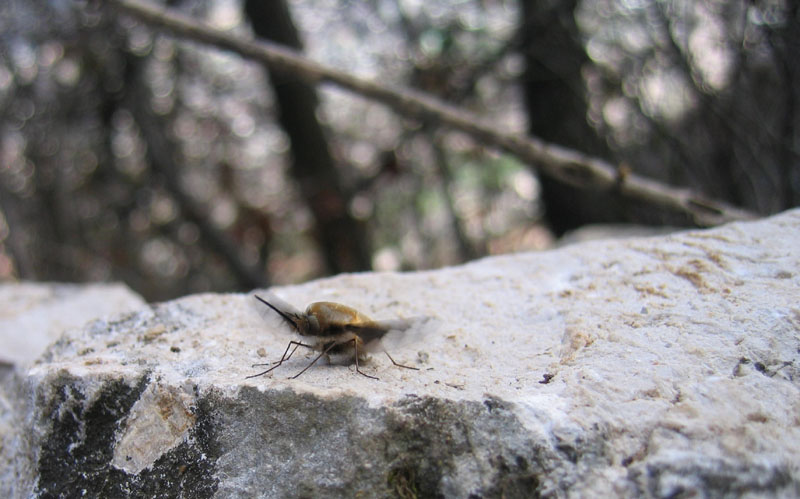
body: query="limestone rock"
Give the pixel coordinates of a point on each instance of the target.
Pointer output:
(655, 367)
(34, 315)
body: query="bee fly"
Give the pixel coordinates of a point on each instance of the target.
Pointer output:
(335, 329)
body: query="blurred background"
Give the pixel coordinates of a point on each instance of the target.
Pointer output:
(175, 167)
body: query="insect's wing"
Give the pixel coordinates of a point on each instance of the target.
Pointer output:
(375, 331)
(285, 310)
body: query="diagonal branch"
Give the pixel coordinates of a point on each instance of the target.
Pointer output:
(552, 160)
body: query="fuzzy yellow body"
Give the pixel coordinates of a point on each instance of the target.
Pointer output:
(339, 331)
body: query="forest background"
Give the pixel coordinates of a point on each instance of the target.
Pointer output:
(166, 149)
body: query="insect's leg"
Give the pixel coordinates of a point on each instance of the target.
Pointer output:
(399, 365)
(355, 347)
(324, 352)
(284, 357)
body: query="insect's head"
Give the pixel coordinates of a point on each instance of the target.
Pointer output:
(307, 325)
(302, 323)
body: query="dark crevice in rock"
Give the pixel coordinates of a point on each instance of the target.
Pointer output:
(76, 455)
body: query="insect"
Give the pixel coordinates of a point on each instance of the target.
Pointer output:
(336, 330)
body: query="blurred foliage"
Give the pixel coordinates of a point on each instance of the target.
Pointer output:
(125, 155)
(703, 94)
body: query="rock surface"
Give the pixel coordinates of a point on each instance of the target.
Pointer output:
(656, 367)
(34, 315)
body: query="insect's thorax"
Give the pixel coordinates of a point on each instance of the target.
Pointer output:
(333, 318)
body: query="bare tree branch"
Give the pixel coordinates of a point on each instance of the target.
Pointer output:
(552, 160)
(708, 104)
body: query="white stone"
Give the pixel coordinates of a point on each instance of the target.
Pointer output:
(33, 315)
(158, 422)
(637, 367)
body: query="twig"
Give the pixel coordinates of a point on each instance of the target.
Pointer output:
(552, 160)
(730, 128)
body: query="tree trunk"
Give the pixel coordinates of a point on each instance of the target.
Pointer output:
(557, 110)
(340, 237)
